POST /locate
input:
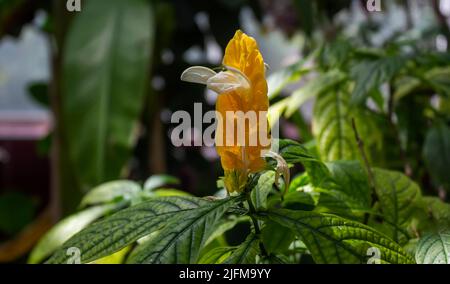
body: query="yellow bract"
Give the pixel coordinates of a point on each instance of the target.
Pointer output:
(242, 53)
(242, 88)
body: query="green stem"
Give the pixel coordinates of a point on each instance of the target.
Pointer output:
(255, 223)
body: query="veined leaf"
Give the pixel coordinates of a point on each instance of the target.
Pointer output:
(434, 249)
(371, 74)
(276, 238)
(262, 189)
(106, 62)
(125, 227)
(65, 229)
(350, 189)
(225, 226)
(246, 252)
(183, 237)
(436, 152)
(107, 192)
(333, 130)
(332, 239)
(397, 195)
(216, 255)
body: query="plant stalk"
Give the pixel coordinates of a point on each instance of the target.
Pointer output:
(255, 223)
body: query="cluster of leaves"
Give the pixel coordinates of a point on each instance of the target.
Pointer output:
(323, 215)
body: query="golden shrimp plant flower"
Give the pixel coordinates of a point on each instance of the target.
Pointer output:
(242, 89)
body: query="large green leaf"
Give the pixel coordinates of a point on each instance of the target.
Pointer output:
(434, 249)
(183, 237)
(436, 152)
(332, 239)
(105, 73)
(397, 196)
(350, 189)
(66, 228)
(332, 127)
(371, 74)
(246, 252)
(276, 238)
(110, 191)
(125, 227)
(262, 189)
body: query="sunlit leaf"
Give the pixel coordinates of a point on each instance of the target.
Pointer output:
(332, 127)
(107, 192)
(434, 249)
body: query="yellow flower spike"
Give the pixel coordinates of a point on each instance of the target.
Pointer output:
(241, 88)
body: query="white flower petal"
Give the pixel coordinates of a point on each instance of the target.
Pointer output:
(197, 74)
(227, 81)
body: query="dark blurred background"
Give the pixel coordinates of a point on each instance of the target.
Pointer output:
(86, 97)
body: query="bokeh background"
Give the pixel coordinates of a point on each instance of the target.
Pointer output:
(86, 97)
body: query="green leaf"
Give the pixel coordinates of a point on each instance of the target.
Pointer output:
(158, 181)
(431, 215)
(436, 152)
(105, 73)
(335, 54)
(281, 78)
(371, 74)
(350, 189)
(110, 191)
(397, 195)
(276, 238)
(183, 237)
(66, 228)
(262, 189)
(434, 249)
(169, 192)
(216, 255)
(332, 127)
(332, 239)
(225, 226)
(313, 88)
(293, 152)
(125, 227)
(246, 252)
